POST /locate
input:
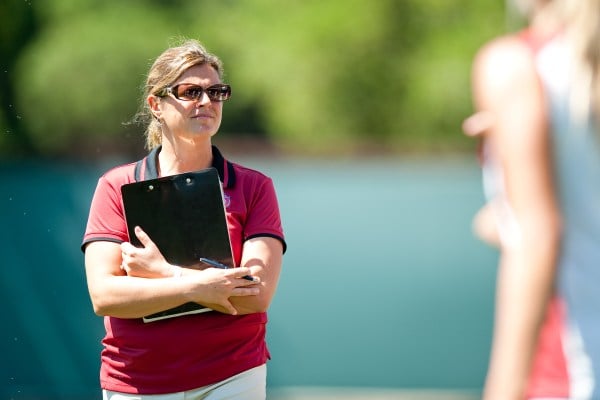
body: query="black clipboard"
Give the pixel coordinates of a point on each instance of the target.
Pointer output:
(184, 215)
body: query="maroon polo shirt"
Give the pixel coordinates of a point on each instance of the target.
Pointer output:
(186, 352)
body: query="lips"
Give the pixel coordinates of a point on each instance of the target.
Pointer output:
(202, 116)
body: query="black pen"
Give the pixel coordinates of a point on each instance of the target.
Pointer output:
(217, 264)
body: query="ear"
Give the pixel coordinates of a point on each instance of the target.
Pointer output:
(154, 103)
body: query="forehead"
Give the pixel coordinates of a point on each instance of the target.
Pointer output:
(200, 74)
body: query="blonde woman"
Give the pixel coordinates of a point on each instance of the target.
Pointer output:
(214, 355)
(537, 96)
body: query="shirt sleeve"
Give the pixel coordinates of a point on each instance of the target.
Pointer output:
(263, 217)
(106, 220)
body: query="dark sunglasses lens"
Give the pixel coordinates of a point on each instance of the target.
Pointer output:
(218, 92)
(189, 92)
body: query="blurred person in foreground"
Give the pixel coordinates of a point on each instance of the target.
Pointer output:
(218, 354)
(537, 100)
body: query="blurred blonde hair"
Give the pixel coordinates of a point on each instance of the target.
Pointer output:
(580, 20)
(165, 70)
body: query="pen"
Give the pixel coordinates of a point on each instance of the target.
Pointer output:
(217, 264)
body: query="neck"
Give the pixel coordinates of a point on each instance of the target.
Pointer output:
(178, 157)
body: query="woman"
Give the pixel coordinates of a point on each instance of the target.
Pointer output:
(221, 353)
(537, 97)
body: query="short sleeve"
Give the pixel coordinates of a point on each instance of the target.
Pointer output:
(106, 220)
(263, 218)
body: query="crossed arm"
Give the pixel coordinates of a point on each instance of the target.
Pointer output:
(129, 282)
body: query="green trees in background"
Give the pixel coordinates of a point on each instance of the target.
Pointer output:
(310, 76)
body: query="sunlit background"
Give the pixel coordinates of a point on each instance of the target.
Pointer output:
(353, 107)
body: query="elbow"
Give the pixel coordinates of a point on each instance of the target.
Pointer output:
(262, 305)
(554, 232)
(539, 241)
(542, 232)
(100, 312)
(99, 305)
(259, 304)
(99, 309)
(107, 310)
(263, 301)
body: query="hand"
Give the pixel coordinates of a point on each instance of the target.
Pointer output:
(144, 262)
(478, 124)
(218, 285)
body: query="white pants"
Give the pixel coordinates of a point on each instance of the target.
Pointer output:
(248, 385)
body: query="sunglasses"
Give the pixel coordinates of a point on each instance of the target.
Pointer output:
(191, 92)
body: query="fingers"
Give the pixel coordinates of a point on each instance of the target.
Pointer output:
(127, 248)
(143, 237)
(246, 280)
(253, 291)
(227, 307)
(478, 123)
(230, 309)
(245, 274)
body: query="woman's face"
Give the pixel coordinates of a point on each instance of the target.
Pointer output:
(191, 119)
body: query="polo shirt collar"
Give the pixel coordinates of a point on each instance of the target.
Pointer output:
(223, 167)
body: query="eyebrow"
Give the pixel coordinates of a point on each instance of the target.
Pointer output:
(197, 84)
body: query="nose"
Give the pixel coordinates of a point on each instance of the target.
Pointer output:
(203, 100)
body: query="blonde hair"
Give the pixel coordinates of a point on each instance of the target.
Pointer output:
(164, 71)
(580, 20)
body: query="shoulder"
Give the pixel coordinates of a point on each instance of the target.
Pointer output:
(109, 183)
(254, 186)
(503, 60)
(246, 175)
(512, 47)
(505, 75)
(119, 175)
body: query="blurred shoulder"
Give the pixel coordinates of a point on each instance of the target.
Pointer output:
(504, 68)
(503, 61)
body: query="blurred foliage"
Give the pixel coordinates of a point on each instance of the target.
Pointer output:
(310, 76)
(18, 27)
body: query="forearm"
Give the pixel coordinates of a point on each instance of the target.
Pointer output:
(525, 284)
(261, 302)
(132, 297)
(264, 258)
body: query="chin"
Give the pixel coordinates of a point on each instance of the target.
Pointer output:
(203, 135)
